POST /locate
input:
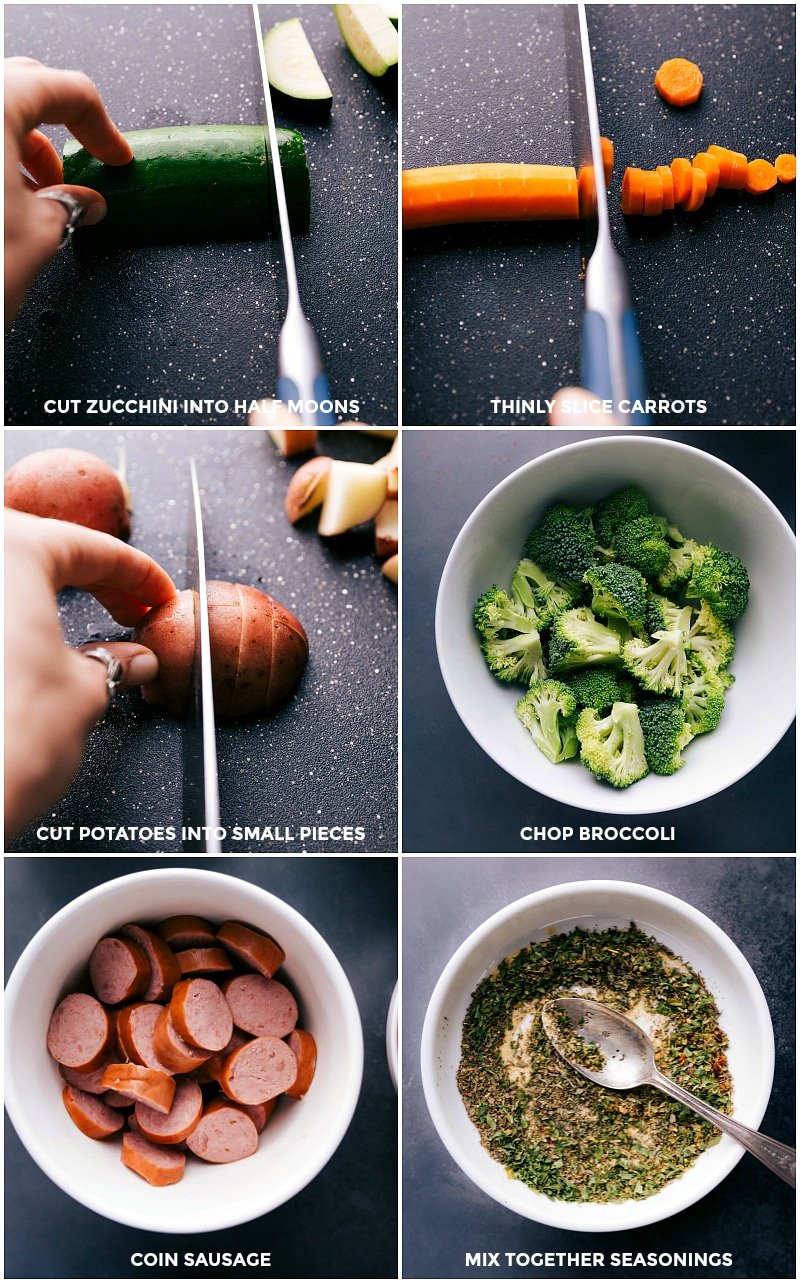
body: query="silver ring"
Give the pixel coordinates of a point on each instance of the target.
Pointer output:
(74, 210)
(114, 669)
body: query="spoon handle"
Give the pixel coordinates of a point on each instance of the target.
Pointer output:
(779, 1158)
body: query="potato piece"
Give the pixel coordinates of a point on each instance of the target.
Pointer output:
(307, 488)
(70, 485)
(390, 464)
(391, 568)
(386, 529)
(354, 494)
(291, 441)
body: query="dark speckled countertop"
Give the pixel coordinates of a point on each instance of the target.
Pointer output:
(201, 321)
(495, 311)
(328, 756)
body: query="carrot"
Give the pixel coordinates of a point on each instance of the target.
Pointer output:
(786, 166)
(710, 167)
(732, 167)
(608, 158)
(679, 82)
(653, 193)
(667, 185)
(761, 177)
(587, 197)
(633, 191)
(698, 192)
(488, 193)
(682, 179)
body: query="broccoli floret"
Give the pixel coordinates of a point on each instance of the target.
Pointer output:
(510, 640)
(618, 592)
(612, 747)
(617, 510)
(676, 618)
(720, 579)
(578, 639)
(563, 542)
(601, 687)
(549, 711)
(710, 638)
(660, 666)
(703, 695)
(641, 544)
(541, 594)
(681, 562)
(654, 614)
(665, 732)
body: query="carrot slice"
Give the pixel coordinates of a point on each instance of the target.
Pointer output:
(587, 197)
(681, 179)
(679, 81)
(608, 158)
(786, 166)
(732, 167)
(488, 193)
(761, 177)
(710, 167)
(633, 191)
(653, 193)
(667, 185)
(698, 192)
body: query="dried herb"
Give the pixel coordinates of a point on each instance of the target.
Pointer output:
(548, 1125)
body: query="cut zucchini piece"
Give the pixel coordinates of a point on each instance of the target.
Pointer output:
(292, 67)
(369, 35)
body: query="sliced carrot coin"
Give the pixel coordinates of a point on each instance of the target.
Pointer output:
(633, 191)
(710, 167)
(608, 158)
(761, 177)
(786, 167)
(681, 179)
(698, 192)
(667, 185)
(587, 197)
(679, 81)
(732, 167)
(653, 193)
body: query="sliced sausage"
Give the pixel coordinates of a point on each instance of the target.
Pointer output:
(136, 1034)
(186, 931)
(85, 1082)
(117, 1101)
(224, 1134)
(81, 1033)
(179, 1056)
(203, 962)
(261, 1069)
(158, 1165)
(201, 1014)
(261, 1006)
(119, 970)
(261, 1114)
(154, 1087)
(255, 948)
(92, 1116)
(305, 1053)
(180, 1122)
(164, 970)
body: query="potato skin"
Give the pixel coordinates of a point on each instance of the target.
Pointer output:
(70, 485)
(258, 650)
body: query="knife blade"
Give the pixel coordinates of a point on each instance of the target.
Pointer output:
(300, 373)
(612, 365)
(201, 816)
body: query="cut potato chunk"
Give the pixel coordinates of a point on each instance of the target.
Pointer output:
(307, 488)
(391, 568)
(386, 529)
(355, 493)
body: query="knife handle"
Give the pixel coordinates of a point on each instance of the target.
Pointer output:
(288, 390)
(596, 361)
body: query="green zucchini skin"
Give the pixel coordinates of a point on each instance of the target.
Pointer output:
(194, 183)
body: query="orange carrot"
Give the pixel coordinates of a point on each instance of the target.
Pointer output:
(653, 193)
(761, 177)
(608, 158)
(786, 166)
(488, 193)
(679, 82)
(710, 167)
(732, 167)
(633, 191)
(698, 192)
(587, 197)
(667, 186)
(682, 179)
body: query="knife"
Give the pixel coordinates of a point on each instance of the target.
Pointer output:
(612, 365)
(201, 817)
(300, 373)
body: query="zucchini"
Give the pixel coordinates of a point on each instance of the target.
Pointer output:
(194, 183)
(292, 67)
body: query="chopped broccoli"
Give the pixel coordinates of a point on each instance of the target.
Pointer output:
(711, 638)
(676, 618)
(703, 695)
(578, 639)
(542, 594)
(612, 747)
(720, 579)
(548, 710)
(617, 510)
(563, 542)
(641, 544)
(661, 666)
(600, 687)
(665, 732)
(681, 563)
(618, 592)
(510, 640)
(654, 614)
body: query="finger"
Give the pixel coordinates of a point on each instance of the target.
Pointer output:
(45, 95)
(139, 665)
(41, 159)
(124, 579)
(576, 408)
(93, 204)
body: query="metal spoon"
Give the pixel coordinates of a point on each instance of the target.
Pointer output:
(630, 1062)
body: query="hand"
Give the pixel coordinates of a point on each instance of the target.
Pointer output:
(577, 408)
(54, 695)
(37, 95)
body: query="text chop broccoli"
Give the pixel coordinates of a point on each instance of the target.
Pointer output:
(563, 542)
(601, 687)
(578, 639)
(720, 579)
(617, 510)
(612, 747)
(618, 592)
(548, 710)
(665, 732)
(539, 593)
(703, 695)
(660, 666)
(642, 544)
(510, 640)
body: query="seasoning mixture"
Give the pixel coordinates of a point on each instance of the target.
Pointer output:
(562, 1135)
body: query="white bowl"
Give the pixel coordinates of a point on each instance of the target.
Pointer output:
(707, 500)
(299, 1139)
(744, 1017)
(393, 1038)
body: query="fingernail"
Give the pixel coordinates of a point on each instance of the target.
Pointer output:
(141, 670)
(93, 213)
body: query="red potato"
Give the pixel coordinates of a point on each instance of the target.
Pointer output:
(254, 948)
(81, 1033)
(93, 1117)
(70, 485)
(155, 1163)
(258, 650)
(391, 568)
(386, 529)
(306, 490)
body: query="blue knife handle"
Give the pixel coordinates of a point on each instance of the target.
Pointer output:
(288, 391)
(595, 366)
